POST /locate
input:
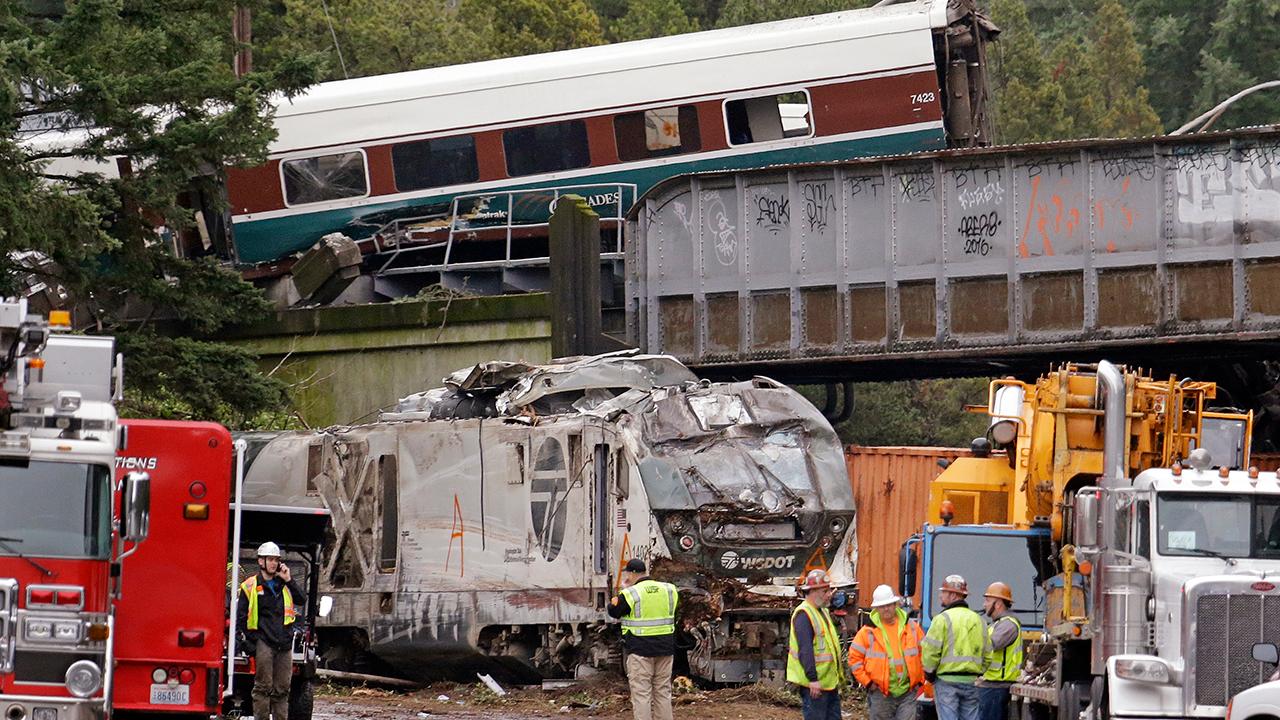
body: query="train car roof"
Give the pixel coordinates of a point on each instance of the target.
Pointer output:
(348, 111)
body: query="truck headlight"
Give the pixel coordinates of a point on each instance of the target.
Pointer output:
(1143, 670)
(84, 678)
(39, 630)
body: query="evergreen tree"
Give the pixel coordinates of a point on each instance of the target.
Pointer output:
(1115, 62)
(652, 18)
(912, 412)
(1240, 54)
(148, 82)
(374, 37)
(1071, 68)
(748, 12)
(524, 27)
(1173, 34)
(1030, 103)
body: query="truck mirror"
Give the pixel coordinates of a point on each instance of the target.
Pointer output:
(136, 508)
(1085, 535)
(326, 606)
(907, 570)
(1266, 652)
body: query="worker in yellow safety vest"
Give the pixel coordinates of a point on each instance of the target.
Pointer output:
(954, 651)
(647, 609)
(1004, 653)
(267, 611)
(814, 658)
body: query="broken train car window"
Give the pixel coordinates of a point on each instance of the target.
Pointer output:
(324, 177)
(389, 478)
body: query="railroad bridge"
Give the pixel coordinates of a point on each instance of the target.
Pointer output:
(1163, 251)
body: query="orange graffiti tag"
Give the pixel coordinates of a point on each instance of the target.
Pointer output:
(1037, 213)
(456, 533)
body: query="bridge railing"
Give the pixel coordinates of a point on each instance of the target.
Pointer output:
(1001, 249)
(430, 244)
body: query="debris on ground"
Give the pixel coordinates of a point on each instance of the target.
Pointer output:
(605, 697)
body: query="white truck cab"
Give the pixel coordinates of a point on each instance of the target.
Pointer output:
(1200, 589)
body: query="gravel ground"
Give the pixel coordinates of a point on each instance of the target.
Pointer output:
(604, 698)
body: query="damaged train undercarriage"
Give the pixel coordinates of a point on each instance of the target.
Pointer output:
(481, 526)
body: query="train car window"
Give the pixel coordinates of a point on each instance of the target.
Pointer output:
(657, 132)
(546, 148)
(434, 163)
(388, 474)
(324, 177)
(769, 117)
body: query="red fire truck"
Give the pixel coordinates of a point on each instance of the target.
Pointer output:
(171, 618)
(177, 650)
(60, 559)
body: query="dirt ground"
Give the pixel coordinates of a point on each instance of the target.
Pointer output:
(604, 698)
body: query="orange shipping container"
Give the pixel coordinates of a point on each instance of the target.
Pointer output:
(891, 489)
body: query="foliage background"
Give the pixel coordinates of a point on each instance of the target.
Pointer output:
(154, 76)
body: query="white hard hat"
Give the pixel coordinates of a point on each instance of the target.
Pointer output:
(884, 595)
(269, 549)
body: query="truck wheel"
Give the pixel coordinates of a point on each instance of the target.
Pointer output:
(301, 699)
(1070, 702)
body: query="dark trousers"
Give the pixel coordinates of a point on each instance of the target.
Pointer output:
(825, 707)
(993, 702)
(271, 681)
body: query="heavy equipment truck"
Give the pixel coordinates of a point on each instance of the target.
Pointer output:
(1143, 559)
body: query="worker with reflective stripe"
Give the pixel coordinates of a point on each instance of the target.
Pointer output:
(1004, 653)
(885, 658)
(954, 651)
(647, 609)
(813, 660)
(267, 610)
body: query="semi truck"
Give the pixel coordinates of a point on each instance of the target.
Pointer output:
(61, 549)
(1142, 549)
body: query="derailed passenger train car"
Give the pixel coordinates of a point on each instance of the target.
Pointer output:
(483, 525)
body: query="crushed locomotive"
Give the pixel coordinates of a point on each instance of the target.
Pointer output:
(483, 525)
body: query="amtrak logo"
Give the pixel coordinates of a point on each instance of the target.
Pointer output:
(548, 496)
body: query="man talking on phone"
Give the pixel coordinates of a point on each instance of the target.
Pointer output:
(268, 609)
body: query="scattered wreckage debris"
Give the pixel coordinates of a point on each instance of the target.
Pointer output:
(353, 677)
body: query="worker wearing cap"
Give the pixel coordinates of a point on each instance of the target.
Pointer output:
(268, 609)
(813, 661)
(885, 658)
(647, 609)
(1004, 653)
(954, 652)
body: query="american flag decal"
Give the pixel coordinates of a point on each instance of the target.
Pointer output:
(622, 517)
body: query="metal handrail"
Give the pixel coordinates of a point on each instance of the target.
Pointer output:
(509, 226)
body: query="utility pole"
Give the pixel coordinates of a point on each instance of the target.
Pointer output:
(242, 33)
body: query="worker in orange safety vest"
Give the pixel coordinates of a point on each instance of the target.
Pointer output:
(885, 658)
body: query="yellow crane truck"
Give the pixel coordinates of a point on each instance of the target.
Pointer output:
(1144, 557)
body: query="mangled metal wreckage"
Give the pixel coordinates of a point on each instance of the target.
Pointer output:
(483, 525)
